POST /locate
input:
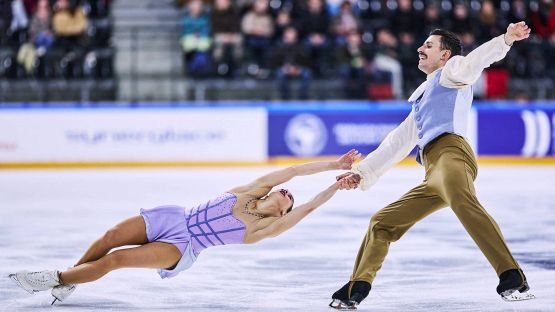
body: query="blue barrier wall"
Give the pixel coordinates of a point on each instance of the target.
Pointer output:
(502, 128)
(495, 128)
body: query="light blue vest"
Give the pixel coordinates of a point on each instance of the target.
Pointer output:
(440, 110)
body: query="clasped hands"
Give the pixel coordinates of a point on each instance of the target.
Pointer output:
(348, 180)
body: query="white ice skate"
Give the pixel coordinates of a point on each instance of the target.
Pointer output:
(61, 292)
(517, 296)
(34, 282)
(343, 305)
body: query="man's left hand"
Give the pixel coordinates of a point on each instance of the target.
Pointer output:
(516, 32)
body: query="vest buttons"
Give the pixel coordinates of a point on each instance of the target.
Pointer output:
(420, 135)
(416, 109)
(417, 118)
(420, 127)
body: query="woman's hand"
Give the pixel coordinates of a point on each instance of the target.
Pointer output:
(348, 181)
(346, 161)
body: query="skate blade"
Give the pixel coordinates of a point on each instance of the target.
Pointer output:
(54, 301)
(13, 277)
(341, 305)
(517, 296)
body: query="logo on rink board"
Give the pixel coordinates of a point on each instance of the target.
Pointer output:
(306, 135)
(538, 134)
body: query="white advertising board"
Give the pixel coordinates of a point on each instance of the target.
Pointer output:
(133, 135)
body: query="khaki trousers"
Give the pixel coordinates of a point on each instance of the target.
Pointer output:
(450, 173)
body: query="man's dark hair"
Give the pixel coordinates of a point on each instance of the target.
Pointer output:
(449, 41)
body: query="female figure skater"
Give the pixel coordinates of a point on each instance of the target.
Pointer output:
(171, 237)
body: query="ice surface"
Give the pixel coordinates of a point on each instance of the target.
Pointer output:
(48, 218)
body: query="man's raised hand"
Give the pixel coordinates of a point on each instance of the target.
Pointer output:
(516, 32)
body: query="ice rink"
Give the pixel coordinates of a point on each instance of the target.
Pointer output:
(49, 217)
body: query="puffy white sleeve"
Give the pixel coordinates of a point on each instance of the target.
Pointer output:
(460, 70)
(394, 148)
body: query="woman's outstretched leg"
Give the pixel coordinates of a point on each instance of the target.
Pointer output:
(154, 255)
(128, 232)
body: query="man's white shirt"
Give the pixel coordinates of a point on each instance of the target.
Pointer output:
(458, 72)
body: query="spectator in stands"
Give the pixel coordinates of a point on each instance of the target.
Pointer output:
(334, 6)
(41, 36)
(460, 20)
(40, 31)
(491, 24)
(468, 41)
(345, 22)
(228, 41)
(290, 62)
(31, 6)
(315, 23)
(543, 24)
(375, 16)
(19, 23)
(543, 19)
(432, 19)
(5, 19)
(283, 21)
(69, 23)
(258, 27)
(406, 19)
(518, 12)
(196, 40)
(412, 76)
(99, 8)
(352, 64)
(386, 59)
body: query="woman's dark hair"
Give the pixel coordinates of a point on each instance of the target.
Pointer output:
(449, 41)
(292, 203)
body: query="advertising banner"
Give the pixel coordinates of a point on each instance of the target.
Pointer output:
(308, 133)
(133, 135)
(525, 131)
(496, 130)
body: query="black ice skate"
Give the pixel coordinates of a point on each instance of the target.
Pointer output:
(509, 282)
(341, 300)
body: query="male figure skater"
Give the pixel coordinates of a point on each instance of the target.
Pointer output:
(437, 126)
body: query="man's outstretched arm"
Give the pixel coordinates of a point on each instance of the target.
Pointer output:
(394, 148)
(465, 70)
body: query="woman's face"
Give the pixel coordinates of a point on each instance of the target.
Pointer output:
(281, 200)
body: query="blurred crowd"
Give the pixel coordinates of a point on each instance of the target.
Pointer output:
(64, 39)
(368, 45)
(363, 42)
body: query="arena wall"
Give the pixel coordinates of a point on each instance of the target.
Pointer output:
(185, 134)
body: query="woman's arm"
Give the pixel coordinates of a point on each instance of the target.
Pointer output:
(286, 222)
(278, 177)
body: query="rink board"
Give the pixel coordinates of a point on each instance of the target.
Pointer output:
(237, 134)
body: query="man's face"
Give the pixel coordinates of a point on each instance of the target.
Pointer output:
(430, 55)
